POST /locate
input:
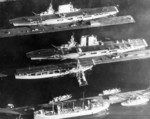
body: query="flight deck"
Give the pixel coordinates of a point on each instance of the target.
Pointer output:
(134, 55)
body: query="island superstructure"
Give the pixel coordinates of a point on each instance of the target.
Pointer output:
(89, 47)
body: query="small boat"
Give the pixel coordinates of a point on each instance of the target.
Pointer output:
(111, 91)
(72, 109)
(10, 106)
(62, 98)
(139, 100)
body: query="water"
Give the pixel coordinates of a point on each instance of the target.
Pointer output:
(130, 75)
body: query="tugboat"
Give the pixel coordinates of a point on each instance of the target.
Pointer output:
(110, 92)
(139, 100)
(70, 109)
(66, 14)
(88, 47)
(61, 98)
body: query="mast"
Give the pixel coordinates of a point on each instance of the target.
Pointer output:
(62, 107)
(53, 107)
(52, 2)
(83, 101)
(73, 104)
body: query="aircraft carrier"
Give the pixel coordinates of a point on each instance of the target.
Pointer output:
(65, 14)
(106, 21)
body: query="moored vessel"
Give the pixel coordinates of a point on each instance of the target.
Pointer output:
(75, 110)
(66, 14)
(61, 98)
(50, 71)
(88, 47)
(110, 91)
(135, 101)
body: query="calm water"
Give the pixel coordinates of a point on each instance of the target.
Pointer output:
(131, 75)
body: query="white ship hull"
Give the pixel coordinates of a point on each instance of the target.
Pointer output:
(47, 74)
(111, 91)
(63, 20)
(136, 103)
(73, 114)
(75, 19)
(40, 76)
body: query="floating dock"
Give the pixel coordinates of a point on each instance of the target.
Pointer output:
(141, 54)
(106, 21)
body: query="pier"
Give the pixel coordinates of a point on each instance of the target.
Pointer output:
(106, 21)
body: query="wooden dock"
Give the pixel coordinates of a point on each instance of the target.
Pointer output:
(106, 21)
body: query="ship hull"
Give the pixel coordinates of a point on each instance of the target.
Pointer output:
(95, 13)
(64, 20)
(97, 54)
(48, 74)
(89, 52)
(75, 114)
(137, 103)
(83, 55)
